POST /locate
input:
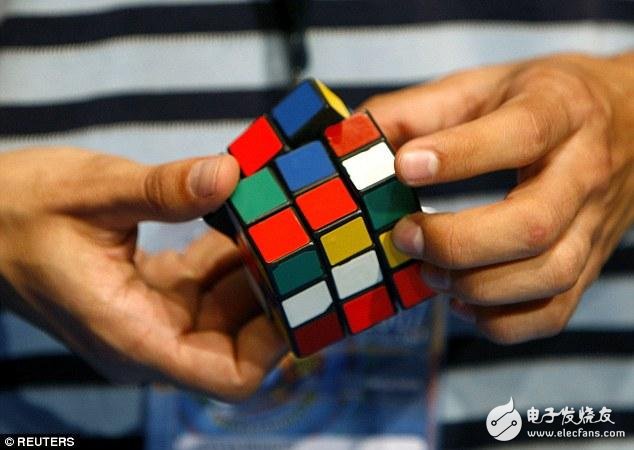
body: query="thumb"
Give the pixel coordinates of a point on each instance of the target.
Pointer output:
(179, 191)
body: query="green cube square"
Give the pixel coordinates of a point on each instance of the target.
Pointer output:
(389, 202)
(297, 271)
(257, 195)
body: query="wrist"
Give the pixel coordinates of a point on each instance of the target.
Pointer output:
(3, 222)
(12, 216)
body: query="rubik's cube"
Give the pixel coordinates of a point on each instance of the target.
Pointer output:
(314, 211)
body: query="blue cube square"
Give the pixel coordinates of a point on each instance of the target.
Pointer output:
(298, 108)
(305, 166)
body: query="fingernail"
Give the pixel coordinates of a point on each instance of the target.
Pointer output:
(435, 278)
(462, 310)
(203, 176)
(408, 237)
(416, 166)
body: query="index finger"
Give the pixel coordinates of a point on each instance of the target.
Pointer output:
(516, 134)
(524, 224)
(416, 111)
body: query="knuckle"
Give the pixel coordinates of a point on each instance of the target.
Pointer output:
(501, 331)
(566, 86)
(542, 72)
(172, 259)
(568, 265)
(540, 229)
(374, 101)
(154, 193)
(550, 317)
(598, 179)
(472, 105)
(453, 253)
(540, 130)
(239, 388)
(556, 77)
(564, 279)
(551, 78)
(384, 108)
(560, 309)
(556, 323)
(472, 290)
(593, 108)
(464, 75)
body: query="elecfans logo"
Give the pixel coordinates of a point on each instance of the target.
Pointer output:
(504, 422)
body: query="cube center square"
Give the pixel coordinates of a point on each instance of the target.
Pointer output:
(305, 166)
(257, 196)
(314, 211)
(326, 203)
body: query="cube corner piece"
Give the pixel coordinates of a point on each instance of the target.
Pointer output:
(310, 107)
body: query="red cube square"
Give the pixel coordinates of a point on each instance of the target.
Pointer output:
(318, 334)
(279, 235)
(256, 146)
(410, 286)
(326, 203)
(350, 134)
(368, 309)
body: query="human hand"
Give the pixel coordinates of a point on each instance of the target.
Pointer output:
(566, 123)
(68, 229)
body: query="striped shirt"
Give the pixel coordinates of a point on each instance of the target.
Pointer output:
(158, 80)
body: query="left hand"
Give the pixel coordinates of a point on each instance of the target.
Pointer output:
(68, 228)
(566, 123)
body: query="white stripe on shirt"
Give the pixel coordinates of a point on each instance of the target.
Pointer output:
(471, 392)
(251, 60)
(62, 7)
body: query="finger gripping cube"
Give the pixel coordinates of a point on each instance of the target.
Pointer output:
(314, 212)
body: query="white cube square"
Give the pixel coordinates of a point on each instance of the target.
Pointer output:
(307, 304)
(357, 274)
(370, 166)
